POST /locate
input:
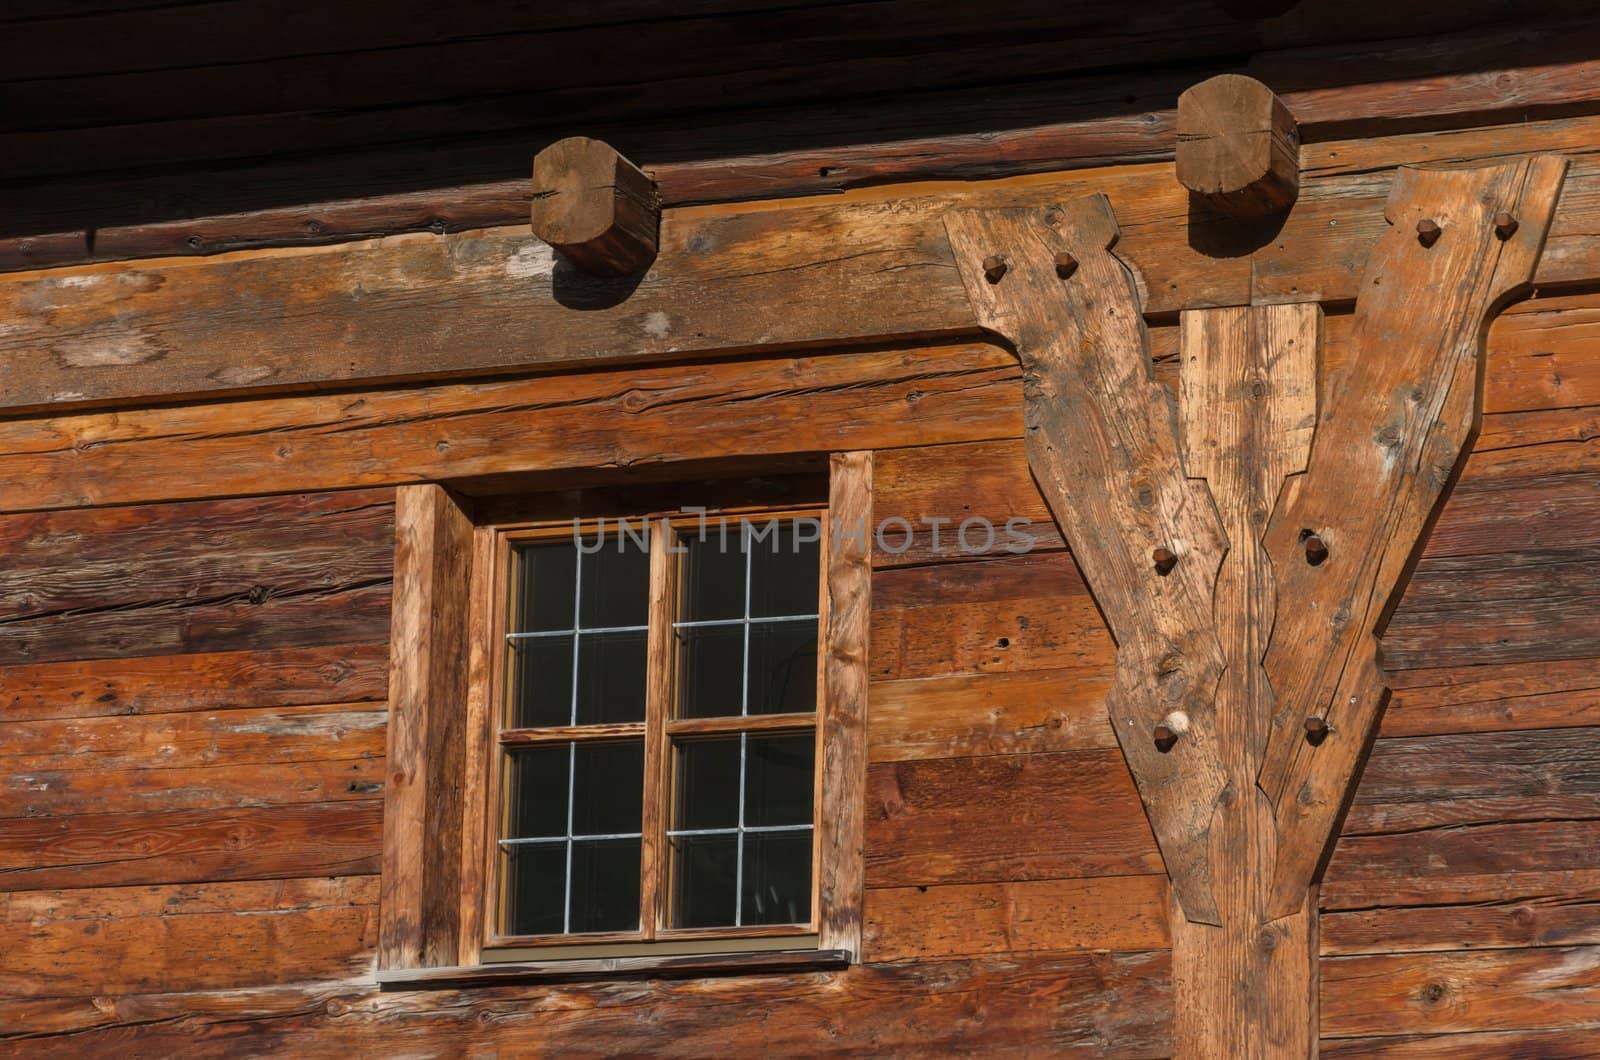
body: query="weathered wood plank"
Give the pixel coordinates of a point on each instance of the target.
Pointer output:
(1456, 859)
(234, 758)
(842, 810)
(1574, 1044)
(634, 418)
(182, 846)
(1413, 993)
(957, 920)
(423, 811)
(1005, 818)
(990, 714)
(205, 936)
(162, 684)
(1533, 695)
(1395, 432)
(1544, 920)
(1079, 1004)
(1102, 444)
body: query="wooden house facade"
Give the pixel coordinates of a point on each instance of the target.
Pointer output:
(1159, 619)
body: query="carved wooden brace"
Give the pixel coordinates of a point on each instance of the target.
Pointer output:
(1247, 564)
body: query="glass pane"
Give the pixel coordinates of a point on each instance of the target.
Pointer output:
(784, 569)
(704, 879)
(536, 883)
(611, 668)
(541, 681)
(607, 787)
(707, 784)
(783, 667)
(777, 878)
(605, 885)
(616, 581)
(710, 671)
(779, 779)
(549, 573)
(713, 574)
(538, 792)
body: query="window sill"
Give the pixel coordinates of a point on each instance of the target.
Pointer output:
(656, 967)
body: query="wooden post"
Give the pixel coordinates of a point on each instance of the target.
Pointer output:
(1248, 568)
(1238, 147)
(595, 206)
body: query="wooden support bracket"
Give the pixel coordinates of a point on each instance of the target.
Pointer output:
(1247, 562)
(596, 207)
(1238, 147)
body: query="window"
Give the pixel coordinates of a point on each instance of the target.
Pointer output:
(658, 742)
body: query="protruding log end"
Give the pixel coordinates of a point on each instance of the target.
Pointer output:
(1238, 147)
(595, 207)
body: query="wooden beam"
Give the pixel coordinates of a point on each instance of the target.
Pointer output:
(1103, 447)
(1238, 147)
(1393, 433)
(423, 805)
(595, 207)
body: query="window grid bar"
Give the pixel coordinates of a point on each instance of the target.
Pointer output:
(531, 840)
(746, 621)
(572, 747)
(744, 738)
(752, 829)
(550, 633)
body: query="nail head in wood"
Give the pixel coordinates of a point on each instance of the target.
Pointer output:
(1238, 147)
(1428, 231)
(1505, 226)
(1316, 729)
(994, 267)
(1316, 550)
(1165, 559)
(1066, 264)
(595, 207)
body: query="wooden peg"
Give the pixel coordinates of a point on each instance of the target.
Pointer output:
(1505, 226)
(595, 207)
(1428, 231)
(994, 268)
(1066, 264)
(1238, 147)
(1316, 549)
(1316, 728)
(1165, 559)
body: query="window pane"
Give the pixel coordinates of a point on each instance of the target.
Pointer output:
(710, 671)
(707, 784)
(784, 569)
(779, 779)
(549, 573)
(605, 885)
(541, 681)
(611, 669)
(704, 880)
(536, 883)
(777, 878)
(783, 667)
(713, 574)
(538, 792)
(616, 581)
(607, 788)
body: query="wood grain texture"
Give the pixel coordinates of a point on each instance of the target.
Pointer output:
(423, 812)
(1246, 987)
(162, 684)
(990, 714)
(1075, 1004)
(841, 820)
(202, 936)
(1394, 431)
(631, 420)
(935, 923)
(1103, 446)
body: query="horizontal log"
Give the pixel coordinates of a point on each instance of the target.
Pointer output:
(1077, 1004)
(206, 936)
(1572, 1044)
(184, 846)
(1498, 885)
(1005, 818)
(1543, 920)
(1430, 782)
(1533, 695)
(989, 714)
(621, 421)
(234, 758)
(161, 684)
(90, 335)
(1098, 913)
(1448, 857)
(1412, 993)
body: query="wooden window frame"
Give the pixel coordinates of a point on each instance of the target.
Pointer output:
(441, 808)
